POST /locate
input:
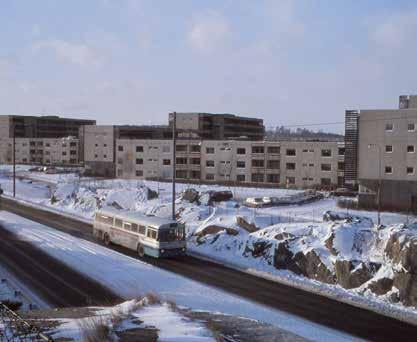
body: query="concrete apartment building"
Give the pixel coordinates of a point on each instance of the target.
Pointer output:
(292, 164)
(47, 151)
(209, 126)
(46, 140)
(385, 141)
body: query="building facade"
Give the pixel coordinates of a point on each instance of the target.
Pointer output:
(386, 160)
(41, 151)
(209, 126)
(290, 164)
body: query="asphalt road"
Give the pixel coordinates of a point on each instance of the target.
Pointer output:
(56, 283)
(322, 310)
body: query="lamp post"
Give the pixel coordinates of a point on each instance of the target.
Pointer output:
(378, 196)
(174, 161)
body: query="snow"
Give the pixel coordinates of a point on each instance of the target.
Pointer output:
(131, 278)
(171, 325)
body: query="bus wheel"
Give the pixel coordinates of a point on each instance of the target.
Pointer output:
(141, 251)
(106, 239)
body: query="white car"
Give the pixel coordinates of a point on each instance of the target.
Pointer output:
(257, 201)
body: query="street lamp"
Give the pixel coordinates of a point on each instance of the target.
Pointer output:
(378, 198)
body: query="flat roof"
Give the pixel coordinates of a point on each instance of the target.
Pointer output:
(132, 215)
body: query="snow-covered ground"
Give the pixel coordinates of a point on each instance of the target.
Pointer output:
(132, 278)
(83, 198)
(170, 324)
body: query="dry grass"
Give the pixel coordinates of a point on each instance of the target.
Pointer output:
(96, 329)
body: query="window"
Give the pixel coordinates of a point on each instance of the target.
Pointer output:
(73, 152)
(120, 173)
(72, 144)
(290, 166)
(96, 156)
(258, 149)
(257, 177)
(73, 161)
(209, 176)
(210, 150)
(104, 145)
(151, 234)
(410, 170)
(139, 173)
(326, 153)
(410, 148)
(311, 165)
(388, 148)
(341, 151)
(138, 148)
(241, 178)
(272, 178)
(389, 127)
(181, 161)
(181, 173)
(195, 174)
(258, 163)
(47, 153)
(411, 127)
(181, 148)
(142, 230)
(388, 169)
(166, 149)
(195, 148)
(104, 156)
(241, 150)
(139, 161)
(64, 153)
(118, 223)
(326, 167)
(290, 152)
(325, 181)
(96, 145)
(120, 148)
(240, 164)
(340, 166)
(166, 162)
(210, 163)
(305, 151)
(195, 161)
(274, 149)
(273, 164)
(290, 180)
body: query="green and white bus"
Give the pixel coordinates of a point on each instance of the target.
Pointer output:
(148, 235)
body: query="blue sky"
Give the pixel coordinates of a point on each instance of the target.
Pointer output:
(127, 61)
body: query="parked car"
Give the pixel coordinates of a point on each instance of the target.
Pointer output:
(257, 202)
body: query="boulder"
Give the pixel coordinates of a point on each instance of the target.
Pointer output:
(213, 229)
(284, 257)
(401, 248)
(381, 286)
(152, 194)
(220, 196)
(249, 227)
(311, 266)
(329, 244)
(284, 236)
(406, 283)
(258, 249)
(191, 195)
(351, 274)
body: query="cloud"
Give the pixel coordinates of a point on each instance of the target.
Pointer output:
(72, 53)
(209, 32)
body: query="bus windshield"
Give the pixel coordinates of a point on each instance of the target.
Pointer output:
(172, 234)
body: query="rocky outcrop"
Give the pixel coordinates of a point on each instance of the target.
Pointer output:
(329, 243)
(406, 283)
(213, 229)
(381, 286)
(190, 195)
(284, 236)
(258, 249)
(249, 227)
(401, 248)
(309, 264)
(351, 274)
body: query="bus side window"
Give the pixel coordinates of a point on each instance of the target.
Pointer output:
(142, 230)
(134, 227)
(151, 234)
(118, 223)
(127, 226)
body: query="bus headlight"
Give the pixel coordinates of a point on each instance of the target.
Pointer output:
(183, 249)
(162, 250)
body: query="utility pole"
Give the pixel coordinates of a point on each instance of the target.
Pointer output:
(174, 160)
(14, 160)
